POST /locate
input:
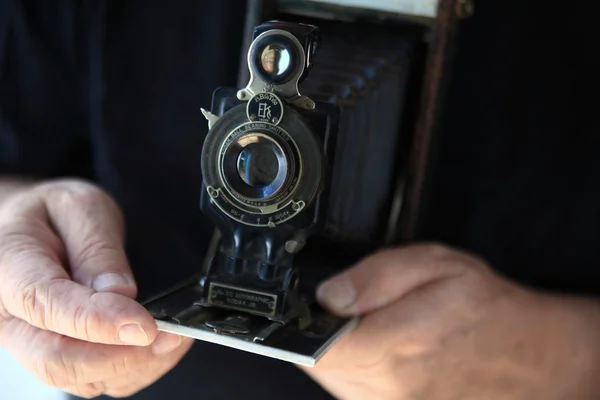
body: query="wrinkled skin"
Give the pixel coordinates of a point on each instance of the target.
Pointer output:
(438, 324)
(66, 289)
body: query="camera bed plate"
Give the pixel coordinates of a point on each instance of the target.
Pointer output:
(177, 311)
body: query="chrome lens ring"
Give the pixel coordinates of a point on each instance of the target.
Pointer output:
(303, 161)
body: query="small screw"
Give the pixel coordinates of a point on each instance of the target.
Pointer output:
(253, 117)
(213, 193)
(214, 295)
(272, 305)
(275, 120)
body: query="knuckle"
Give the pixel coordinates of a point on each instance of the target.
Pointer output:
(62, 184)
(447, 254)
(477, 278)
(41, 303)
(447, 259)
(121, 366)
(415, 384)
(88, 391)
(17, 240)
(42, 371)
(53, 372)
(4, 314)
(97, 248)
(80, 319)
(14, 205)
(4, 320)
(478, 263)
(87, 320)
(79, 194)
(55, 368)
(436, 250)
(86, 197)
(25, 235)
(95, 389)
(470, 264)
(124, 392)
(83, 322)
(33, 309)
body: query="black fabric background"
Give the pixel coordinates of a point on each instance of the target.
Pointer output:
(111, 90)
(517, 175)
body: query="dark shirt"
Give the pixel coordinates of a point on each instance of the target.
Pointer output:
(111, 91)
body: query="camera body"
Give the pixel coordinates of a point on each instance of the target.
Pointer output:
(315, 160)
(266, 166)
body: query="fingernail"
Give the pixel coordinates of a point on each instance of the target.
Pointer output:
(165, 343)
(109, 280)
(133, 334)
(338, 293)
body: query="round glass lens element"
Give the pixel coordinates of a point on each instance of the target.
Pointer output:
(255, 166)
(275, 59)
(258, 164)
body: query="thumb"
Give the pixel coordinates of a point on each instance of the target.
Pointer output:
(91, 226)
(35, 285)
(383, 278)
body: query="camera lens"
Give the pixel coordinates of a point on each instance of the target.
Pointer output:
(255, 166)
(275, 59)
(258, 165)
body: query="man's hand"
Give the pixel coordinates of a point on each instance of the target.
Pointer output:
(439, 325)
(66, 294)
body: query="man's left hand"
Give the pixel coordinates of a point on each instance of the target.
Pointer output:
(438, 324)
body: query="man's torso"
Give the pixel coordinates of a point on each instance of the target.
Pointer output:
(112, 91)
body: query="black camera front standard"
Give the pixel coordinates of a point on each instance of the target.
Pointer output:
(267, 164)
(304, 173)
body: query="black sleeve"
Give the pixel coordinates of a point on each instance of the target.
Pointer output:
(42, 95)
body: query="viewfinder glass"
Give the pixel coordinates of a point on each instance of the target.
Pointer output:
(275, 59)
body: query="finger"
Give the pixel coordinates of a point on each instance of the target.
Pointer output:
(394, 339)
(126, 385)
(91, 227)
(385, 277)
(35, 287)
(64, 362)
(414, 326)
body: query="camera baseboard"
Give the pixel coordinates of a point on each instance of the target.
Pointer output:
(176, 312)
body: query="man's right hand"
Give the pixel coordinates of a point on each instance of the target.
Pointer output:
(66, 294)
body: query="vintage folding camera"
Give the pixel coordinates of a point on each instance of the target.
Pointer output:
(316, 160)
